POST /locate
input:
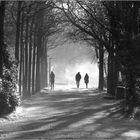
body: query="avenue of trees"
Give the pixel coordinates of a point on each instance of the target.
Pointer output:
(114, 27)
(31, 25)
(110, 27)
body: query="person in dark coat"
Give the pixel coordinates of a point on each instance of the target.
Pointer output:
(52, 80)
(86, 79)
(78, 78)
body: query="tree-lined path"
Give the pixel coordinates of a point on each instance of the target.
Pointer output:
(100, 38)
(68, 115)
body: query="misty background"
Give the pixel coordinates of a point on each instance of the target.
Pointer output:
(70, 58)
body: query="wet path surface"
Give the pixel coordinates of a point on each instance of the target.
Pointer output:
(68, 115)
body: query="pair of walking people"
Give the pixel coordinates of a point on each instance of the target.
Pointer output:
(78, 78)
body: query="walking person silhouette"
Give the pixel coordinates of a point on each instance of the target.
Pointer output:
(86, 79)
(78, 78)
(52, 79)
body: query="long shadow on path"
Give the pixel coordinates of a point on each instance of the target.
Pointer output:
(71, 115)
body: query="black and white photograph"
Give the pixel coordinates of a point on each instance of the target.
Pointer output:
(69, 70)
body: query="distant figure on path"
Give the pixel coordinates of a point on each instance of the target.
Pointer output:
(78, 78)
(86, 79)
(52, 79)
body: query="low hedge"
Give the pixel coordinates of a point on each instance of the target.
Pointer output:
(8, 103)
(8, 97)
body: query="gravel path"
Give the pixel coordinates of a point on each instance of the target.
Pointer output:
(68, 115)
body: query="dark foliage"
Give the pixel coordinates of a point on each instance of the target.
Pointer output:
(8, 103)
(8, 97)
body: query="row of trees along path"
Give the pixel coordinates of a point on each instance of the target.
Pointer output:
(109, 27)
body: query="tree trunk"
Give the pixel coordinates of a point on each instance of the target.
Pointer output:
(109, 75)
(42, 73)
(112, 72)
(46, 62)
(101, 68)
(38, 72)
(26, 60)
(30, 57)
(2, 13)
(18, 32)
(21, 56)
(41, 63)
(34, 61)
(39, 50)
(23, 73)
(131, 97)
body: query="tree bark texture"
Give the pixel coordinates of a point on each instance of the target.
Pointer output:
(2, 14)
(112, 75)
(30, 57)
(21, 57)
(18, 32)
(101, 68)
(25, 80)
(34, 62)
(38, 72)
